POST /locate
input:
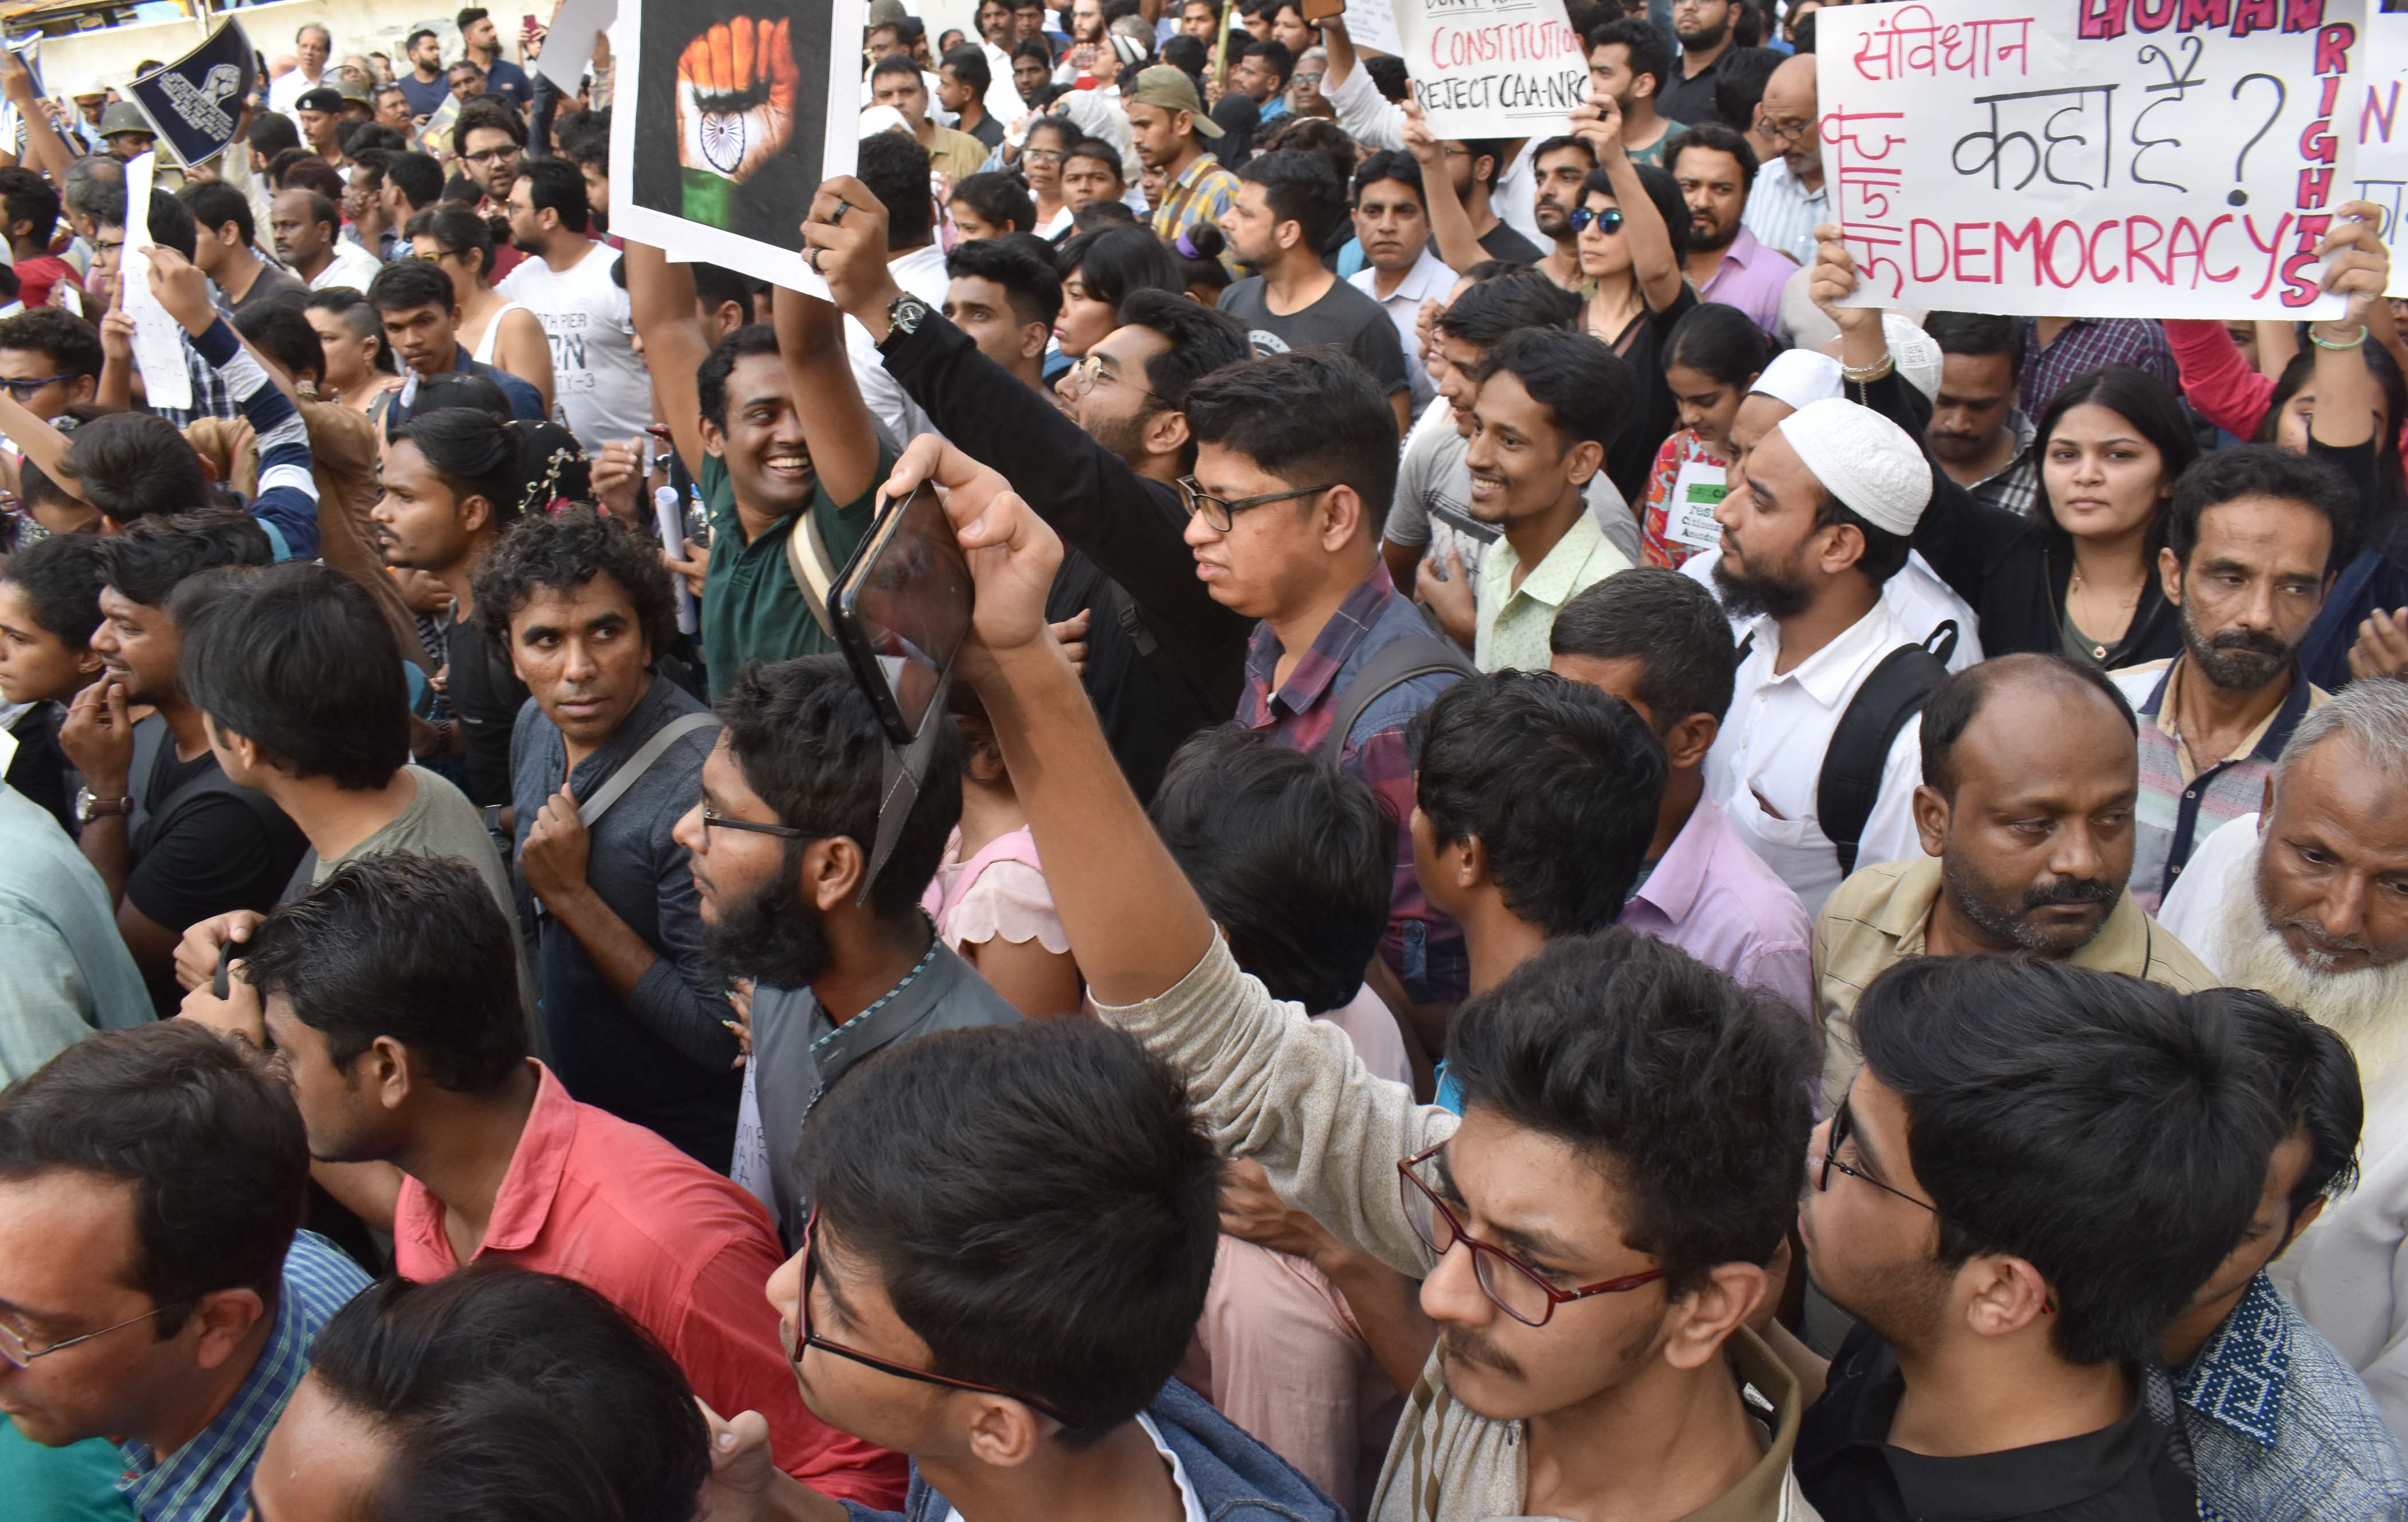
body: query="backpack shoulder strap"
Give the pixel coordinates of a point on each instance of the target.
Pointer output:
(632, 769)
(1391, 666)
(1851, 779)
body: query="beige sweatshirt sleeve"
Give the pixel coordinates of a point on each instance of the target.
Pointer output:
(1288, 1091)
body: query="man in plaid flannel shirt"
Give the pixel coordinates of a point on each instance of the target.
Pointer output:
(153, 1289)
(1296, 460)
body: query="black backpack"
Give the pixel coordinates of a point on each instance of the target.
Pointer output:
(1850, 783)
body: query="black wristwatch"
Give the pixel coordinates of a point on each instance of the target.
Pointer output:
(904, 315)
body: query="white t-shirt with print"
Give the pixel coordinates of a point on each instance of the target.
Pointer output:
(599, 385)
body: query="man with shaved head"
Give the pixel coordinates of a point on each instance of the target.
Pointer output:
(1790, 197)
(2030, 772)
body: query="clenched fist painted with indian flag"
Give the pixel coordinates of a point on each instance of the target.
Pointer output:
(735, 96)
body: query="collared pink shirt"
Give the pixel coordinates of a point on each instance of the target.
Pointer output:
(1750, 277)
(1714, 898)
(682, 1252)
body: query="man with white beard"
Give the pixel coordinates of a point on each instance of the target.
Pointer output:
(2308, 902)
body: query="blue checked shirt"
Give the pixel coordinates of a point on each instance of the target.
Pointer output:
(2281, 1429)
(208, 1479)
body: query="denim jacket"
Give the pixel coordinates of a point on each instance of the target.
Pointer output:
(1235, 1478)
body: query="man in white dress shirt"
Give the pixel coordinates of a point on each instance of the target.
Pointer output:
(1790, 197)
(1401, 268)
(2308, 902)
(1816, 523)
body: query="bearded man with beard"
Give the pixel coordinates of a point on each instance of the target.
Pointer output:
(843, 962)
(2249, 554)
(2029, 773)
(1816, 521)
(2308, 901)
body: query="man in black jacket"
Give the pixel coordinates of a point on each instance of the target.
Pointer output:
(1105, 480)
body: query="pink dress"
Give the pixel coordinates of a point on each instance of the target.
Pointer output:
(999, 893)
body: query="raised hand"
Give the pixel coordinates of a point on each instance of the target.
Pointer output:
(2357, 265)
(736, 87)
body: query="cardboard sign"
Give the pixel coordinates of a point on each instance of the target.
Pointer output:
(195, 102)
(2091, 158)
(568, 43)
(1697, 490)
(738, 109)
(158, 338)
(1372, 24)
(2382, 134)
(1492, 68)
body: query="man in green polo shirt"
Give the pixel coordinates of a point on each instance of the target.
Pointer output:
(771, 425)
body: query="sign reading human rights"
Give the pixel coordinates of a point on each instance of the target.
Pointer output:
(2091, 158)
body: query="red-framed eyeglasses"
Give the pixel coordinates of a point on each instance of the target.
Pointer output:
(806, 1337)
(1512, 1286)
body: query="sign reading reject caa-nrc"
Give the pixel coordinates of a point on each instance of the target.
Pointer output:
(2090, 158)
(1493, 68)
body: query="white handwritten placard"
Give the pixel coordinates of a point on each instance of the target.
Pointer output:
(2382, 132)
(2091, 158)
(1493, 68)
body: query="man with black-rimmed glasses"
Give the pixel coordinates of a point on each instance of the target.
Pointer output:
(845, 964)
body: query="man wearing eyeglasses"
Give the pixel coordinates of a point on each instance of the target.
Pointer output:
(173, 1334)
(1790, 197)
(844, 965)
(1591, 1265)
(387, 995)
(2028, 1180)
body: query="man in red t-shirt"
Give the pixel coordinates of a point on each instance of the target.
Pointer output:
(32, 209)
(390, 1000)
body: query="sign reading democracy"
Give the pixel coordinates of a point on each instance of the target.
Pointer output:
(1493, 68)
(2091, 158)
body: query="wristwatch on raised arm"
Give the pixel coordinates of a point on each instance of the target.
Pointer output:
(904, 315)
(89, 806)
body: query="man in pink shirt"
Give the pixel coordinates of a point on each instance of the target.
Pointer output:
(390, 995)
(1657, 639)
(1715, 169)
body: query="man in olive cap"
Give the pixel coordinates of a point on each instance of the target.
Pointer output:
(1168, 127)
(126, 131)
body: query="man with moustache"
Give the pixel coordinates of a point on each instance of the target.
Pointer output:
(2014, 742)
(844, 963)
(1561, 166)
(1790, 197)
(2308, 901)
(1703, 29)
(2248, 558)
(1717, 171)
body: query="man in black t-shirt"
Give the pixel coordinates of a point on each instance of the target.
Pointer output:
(2030, 1176)
(1288, 203)
(175, 841)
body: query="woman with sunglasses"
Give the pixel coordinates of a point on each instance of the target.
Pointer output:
(496, 331)
(1632, 230)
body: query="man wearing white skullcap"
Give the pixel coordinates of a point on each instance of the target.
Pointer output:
(1916, 598)
(1816, 523)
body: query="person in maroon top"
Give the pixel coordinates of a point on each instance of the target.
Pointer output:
(388, 993)
(31, 208)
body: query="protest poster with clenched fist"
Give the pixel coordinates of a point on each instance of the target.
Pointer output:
(741, 109)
